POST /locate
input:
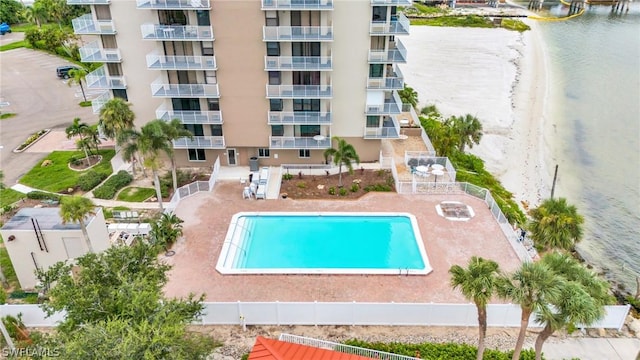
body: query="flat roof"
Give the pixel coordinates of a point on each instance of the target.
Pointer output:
(48, 219)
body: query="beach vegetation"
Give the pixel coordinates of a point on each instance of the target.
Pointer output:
(455, 21)
(408, 95)
(422, 9)
(477, 282)
(468, 130)
(515, 24)
(556, 224)
(345, 154)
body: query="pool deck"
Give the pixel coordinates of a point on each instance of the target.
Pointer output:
(207, 217)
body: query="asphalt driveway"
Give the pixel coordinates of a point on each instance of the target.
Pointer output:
(40, 100)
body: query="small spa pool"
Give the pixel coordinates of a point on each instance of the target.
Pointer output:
(323, 243)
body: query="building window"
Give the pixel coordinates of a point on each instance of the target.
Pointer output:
(273, 49)
(271, 18)
(306, 104)
(207, 48)
(274, 78)
(210, 77)
(275, 104)
(373, 121)
(213, 104)
(376, 70)
(196, 155)
(203, 17)
(120, 93)
(277, 130)
(304, 153)
(216, 130)
(309, 130)
(263, 152)
(195, 129)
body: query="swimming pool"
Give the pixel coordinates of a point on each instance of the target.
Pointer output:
(326, 243)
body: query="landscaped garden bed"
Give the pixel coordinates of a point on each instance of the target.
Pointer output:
(300, 186)
(135, 194)
(30, 140)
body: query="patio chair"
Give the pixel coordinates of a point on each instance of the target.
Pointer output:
(246, 193)
(261, 192)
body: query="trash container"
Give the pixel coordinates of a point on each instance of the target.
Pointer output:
(253, 164)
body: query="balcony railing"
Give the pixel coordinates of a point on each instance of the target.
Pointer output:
(291, 142)
(98, 103)
(174, 4)
(87, 25)
(98, 79)
(93, 52)
(299, 118)
(200, 142)
(299, 91)
(394, 82)
(397, 54)
(160, 88)
(398, 26)
(176, 32)
(190, 116)
(298, 63)
(297, 4)
(88, 2)
(391, 2)
(390, 106)
(161, 62)
(297, 33)
(389, 130)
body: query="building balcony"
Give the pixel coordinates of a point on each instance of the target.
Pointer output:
(162, 62)
(176, 32)
(88, 2)
(297, 33)
(299, 118)
(98, 102)
(397, 26)
(389, 130)
(297, 4)
(298, 63)
(174, 4)
(98, 79)
(190, 116)
(87, 25)
(292, 142)
(200, 142)
(391, 106)
(93, 52)
(391, 3)
(161, 88)
(394, 82)
(395, 54)
(299, 91)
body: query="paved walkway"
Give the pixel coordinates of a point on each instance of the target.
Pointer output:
(593, 349)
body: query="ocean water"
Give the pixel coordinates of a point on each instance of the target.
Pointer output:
(594, 110)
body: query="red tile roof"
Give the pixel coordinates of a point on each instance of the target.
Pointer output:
(270, 349)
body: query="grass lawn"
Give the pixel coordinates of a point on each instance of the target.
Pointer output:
(7, 115)
(135, 194)
(15, 45)
(85, 103)
(58, 177)
(455, 21)
(7, 267)
(9, 196)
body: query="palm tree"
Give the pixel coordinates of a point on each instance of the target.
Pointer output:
(408, 96)
(77, 76)
(34, 15)
(477, 283)
(115, 117)
(128, 139)
(167, 230)
(174, 130)
(151, 141)
(344, 154)
(533, 286)
(583, 298)
(79, 129)
(76, 209)
(469, 130)
(556, 224)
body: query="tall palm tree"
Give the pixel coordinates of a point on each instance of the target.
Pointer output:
(408, 96)
(556, 225)
(469, 130)
(151, 141)
(477, 283)
(76, 209)
(584, 296)
(533, 286)
(115, 117)
(345, 155)
(79, 129)
(128, 139)
(77, 76)
(174, 130)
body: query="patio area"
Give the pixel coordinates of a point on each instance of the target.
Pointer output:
(207, 216)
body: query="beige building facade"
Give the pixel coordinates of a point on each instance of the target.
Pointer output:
(37, 239)
(273, 79)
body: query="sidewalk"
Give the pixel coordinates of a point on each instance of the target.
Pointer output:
(592, 349)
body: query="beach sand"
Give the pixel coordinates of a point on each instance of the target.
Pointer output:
(499, 76)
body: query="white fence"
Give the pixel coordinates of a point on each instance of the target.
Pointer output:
(192, 188)
(343, 313)
(348, 349)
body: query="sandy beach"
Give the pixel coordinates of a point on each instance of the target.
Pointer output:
(499, 76)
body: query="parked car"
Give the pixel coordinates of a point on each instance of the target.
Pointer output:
(63, 71)
(4, 28)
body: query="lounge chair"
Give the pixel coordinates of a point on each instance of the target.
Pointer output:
(261, 192)
(246, 193)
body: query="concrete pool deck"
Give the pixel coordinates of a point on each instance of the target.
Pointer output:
(207, 217)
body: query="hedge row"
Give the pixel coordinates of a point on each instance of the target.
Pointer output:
(90, 179)
(109, 189)
(41, 195)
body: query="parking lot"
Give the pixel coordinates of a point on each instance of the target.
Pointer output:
(40, 100)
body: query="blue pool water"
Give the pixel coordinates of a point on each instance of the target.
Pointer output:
(326, 242)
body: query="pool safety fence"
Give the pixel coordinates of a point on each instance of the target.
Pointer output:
(342, 313)
(193, 188)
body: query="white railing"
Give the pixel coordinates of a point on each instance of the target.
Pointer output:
(98, 79)
(174, 4)
(162, 62)
(297, 4)
(342, 313)
(391, 2)
(348, 349)
(160, 88)
(399, 26)
(190, 116)
(392, 107)
(299, 91)
(383, 132)
(397, 54)
(390, 83)
(176, 32)
(200, 142)
(98, 103)
(297, 33)
(193, 188)
(298, 63)
(87, 25)
(294, 142)
(93, 52)
(298, 118)
(88, 2)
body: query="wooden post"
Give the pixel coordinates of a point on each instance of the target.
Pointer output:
(555, 177)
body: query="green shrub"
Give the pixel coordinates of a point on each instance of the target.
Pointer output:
(342, 192)
(301, 185)
(109, 189)
(41, 195)
(90, 179)
(287, 176)
(355, 188)
(378, 187)
(332, 190)
(166, 181)
(3, 296)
